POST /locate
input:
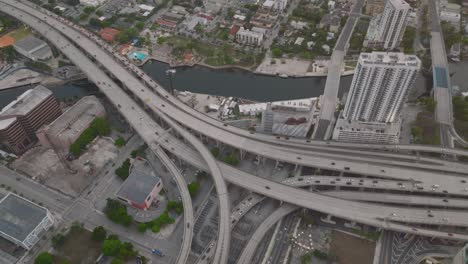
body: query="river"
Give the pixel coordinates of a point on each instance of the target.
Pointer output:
(237, 83)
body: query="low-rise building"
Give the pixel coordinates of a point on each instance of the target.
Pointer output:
(331, 22)
(94, 3)
(140, 189)
(451, 17)
(20, 119)
(108, 34)
(249, 37)
(366, 132)
(33, 48)
(23, 222)
(62, 132)
(298, 24)
(169, 20)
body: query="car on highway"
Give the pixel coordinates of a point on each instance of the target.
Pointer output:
(157, 252)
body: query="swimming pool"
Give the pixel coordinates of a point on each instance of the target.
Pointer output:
(137, 56)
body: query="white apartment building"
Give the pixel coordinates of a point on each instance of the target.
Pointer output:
(378, 91)
(380, 86)
(249, 37)
(392, 24)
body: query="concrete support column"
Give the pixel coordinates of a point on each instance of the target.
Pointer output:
(276, 164)
(242, 154)
(298, 171)
(328, 220)
(352, 225)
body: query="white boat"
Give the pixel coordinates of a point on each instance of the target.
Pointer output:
(283, 75)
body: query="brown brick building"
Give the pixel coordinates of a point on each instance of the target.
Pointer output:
(20, 119)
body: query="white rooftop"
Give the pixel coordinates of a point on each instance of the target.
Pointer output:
(26, 101)
(146, 7)
(299, 104)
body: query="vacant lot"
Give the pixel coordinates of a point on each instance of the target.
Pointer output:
(348, 249)
(20, 33)
(79, 248)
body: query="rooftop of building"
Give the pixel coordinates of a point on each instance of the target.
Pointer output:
(400, 4)
(6, 122)
(138, 185)
(299, 104)
(76, 118)
(389, 58)
(109, 33)
(19, 217)
(353, 125)
(43, 52)
(330, 19)
(26, 101)
(29, 43)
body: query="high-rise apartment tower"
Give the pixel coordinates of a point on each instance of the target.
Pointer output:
(393, 23)
(380, 86)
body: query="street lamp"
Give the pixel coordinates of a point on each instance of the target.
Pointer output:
(171, 73)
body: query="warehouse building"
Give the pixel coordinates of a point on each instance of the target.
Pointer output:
(33, 48)
(22, 221)
(20, 119)
(62, 132)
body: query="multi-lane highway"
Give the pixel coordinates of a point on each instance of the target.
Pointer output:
(272, 219)
(182, 113)
(168, 108)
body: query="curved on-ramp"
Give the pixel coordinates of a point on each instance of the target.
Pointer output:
(198, 121)
(289, 195)
(222, 249)
(262, 229)
(107, 86)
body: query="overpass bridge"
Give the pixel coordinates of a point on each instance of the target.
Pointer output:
(151, 131)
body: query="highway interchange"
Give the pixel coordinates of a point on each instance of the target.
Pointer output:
(329, 156)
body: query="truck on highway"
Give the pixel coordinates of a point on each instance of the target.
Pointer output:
(157, 252)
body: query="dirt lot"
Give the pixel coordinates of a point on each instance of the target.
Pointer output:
(44, 165)
(79, 248)
(348, 249)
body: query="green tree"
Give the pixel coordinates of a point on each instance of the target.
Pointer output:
(199, 28)
(177, 207)
(101, 126)
(193, 188)
(44, 258)
(142, 227)
(276, 52)
(111, 247)
(140, 25)
(8, 54)
(89, 9)
(117, 212)
(119, 142)
(117, 261)
(215, 152)
(99, 234)
(124, 170)
(58, 240)
(126, 251)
